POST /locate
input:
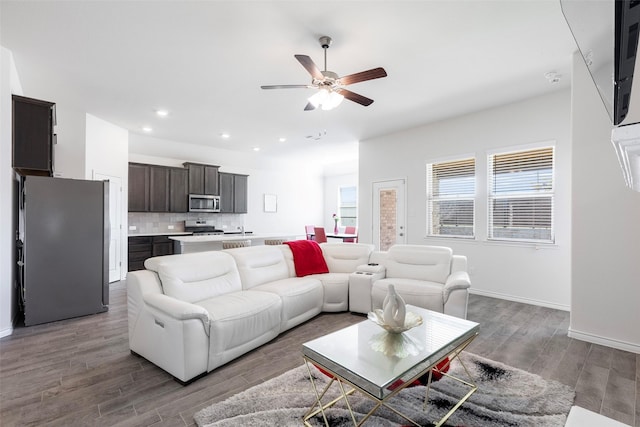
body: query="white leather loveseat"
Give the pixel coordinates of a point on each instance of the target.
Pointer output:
(191, 313)
(426, 276)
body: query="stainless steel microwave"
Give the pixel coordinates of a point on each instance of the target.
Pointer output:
(204, 203)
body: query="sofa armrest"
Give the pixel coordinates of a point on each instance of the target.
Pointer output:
(457, 280)
(177, 309)
(371, 268)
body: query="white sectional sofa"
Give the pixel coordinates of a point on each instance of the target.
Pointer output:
(191, 313)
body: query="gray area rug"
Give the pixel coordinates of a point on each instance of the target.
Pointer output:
(506, 397)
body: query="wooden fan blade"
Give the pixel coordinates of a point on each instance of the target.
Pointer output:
(374, 73)
(352, 96)
(286, 87)
(309, 107)
(310, 66)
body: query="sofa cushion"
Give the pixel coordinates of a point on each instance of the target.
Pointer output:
(240, 317)
(420, 293)
(198, 276)
(431, 263)
(307, 257)
(336, 291)
(345, 257)
(301, 298)
(259, 264)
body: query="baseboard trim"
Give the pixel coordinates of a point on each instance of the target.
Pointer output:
(6, 332)
(529, 301)
(597, 339)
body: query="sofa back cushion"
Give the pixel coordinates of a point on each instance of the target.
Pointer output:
(196, 277)
(345, 257)
(432, 263)
(259, 264)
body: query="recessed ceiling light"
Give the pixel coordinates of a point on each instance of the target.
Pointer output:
(162, 113)
(224, 135)
(256, 148)
(282, 139)
(147, 129)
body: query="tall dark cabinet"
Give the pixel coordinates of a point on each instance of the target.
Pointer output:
(158, 189)
(33, 137)
(138, 187)
(233, 192)
(178, 190)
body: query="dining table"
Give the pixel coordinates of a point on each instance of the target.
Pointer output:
(342, 236)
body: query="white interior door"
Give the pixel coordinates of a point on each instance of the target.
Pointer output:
(115, 220)
(389, 219)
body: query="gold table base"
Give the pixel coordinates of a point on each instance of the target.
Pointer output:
(319, 408)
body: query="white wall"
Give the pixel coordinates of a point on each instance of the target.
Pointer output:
(528, 273)
(106, 153)
(605, 292)
(297, 184)
(9, 84)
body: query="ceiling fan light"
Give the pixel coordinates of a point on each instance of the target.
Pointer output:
(333, 100)
(319, 98)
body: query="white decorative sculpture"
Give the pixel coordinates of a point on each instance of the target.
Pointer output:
(394, 309)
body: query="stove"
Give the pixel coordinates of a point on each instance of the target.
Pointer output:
(201, 227)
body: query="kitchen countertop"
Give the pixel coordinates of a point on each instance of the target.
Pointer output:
(170, 233)
(222, 237)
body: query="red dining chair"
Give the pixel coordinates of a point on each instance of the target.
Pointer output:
(309, 230)
(321, 236)
(350, 230)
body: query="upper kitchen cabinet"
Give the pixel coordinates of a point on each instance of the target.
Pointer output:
(155, 188)
(203, 179)
(158, 189)
(233, 192)
(32, 136)
(178, 190)
(240, 196)
(138, 187)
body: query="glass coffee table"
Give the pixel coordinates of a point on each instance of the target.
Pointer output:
(379, 364)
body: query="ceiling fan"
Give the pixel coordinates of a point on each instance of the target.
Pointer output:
(330, 86)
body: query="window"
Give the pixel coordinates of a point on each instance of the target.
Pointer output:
(451, 188)
(521, 195)
(348, 206)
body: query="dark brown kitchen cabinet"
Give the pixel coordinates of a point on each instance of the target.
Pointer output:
(138, 187)
(143, 247)
(178, 190)
(158, 189)
(226, 192)
(140, 248)
(33, 121)
(154, 188)
(233, 192)
(161, 245)
(240, 188)
(203, 179)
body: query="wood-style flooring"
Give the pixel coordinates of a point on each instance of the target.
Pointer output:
(80, 372)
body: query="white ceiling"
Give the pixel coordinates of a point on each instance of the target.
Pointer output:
(204, 62)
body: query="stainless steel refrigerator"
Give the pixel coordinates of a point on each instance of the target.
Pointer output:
(63, 248)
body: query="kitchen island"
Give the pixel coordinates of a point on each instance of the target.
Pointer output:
(190, 244)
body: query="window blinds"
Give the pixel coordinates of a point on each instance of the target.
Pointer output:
(521, 192)
(451, 198)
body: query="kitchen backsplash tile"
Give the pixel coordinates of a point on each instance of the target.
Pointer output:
(156, 222)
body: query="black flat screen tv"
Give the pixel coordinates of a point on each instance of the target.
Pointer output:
(606, 32)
